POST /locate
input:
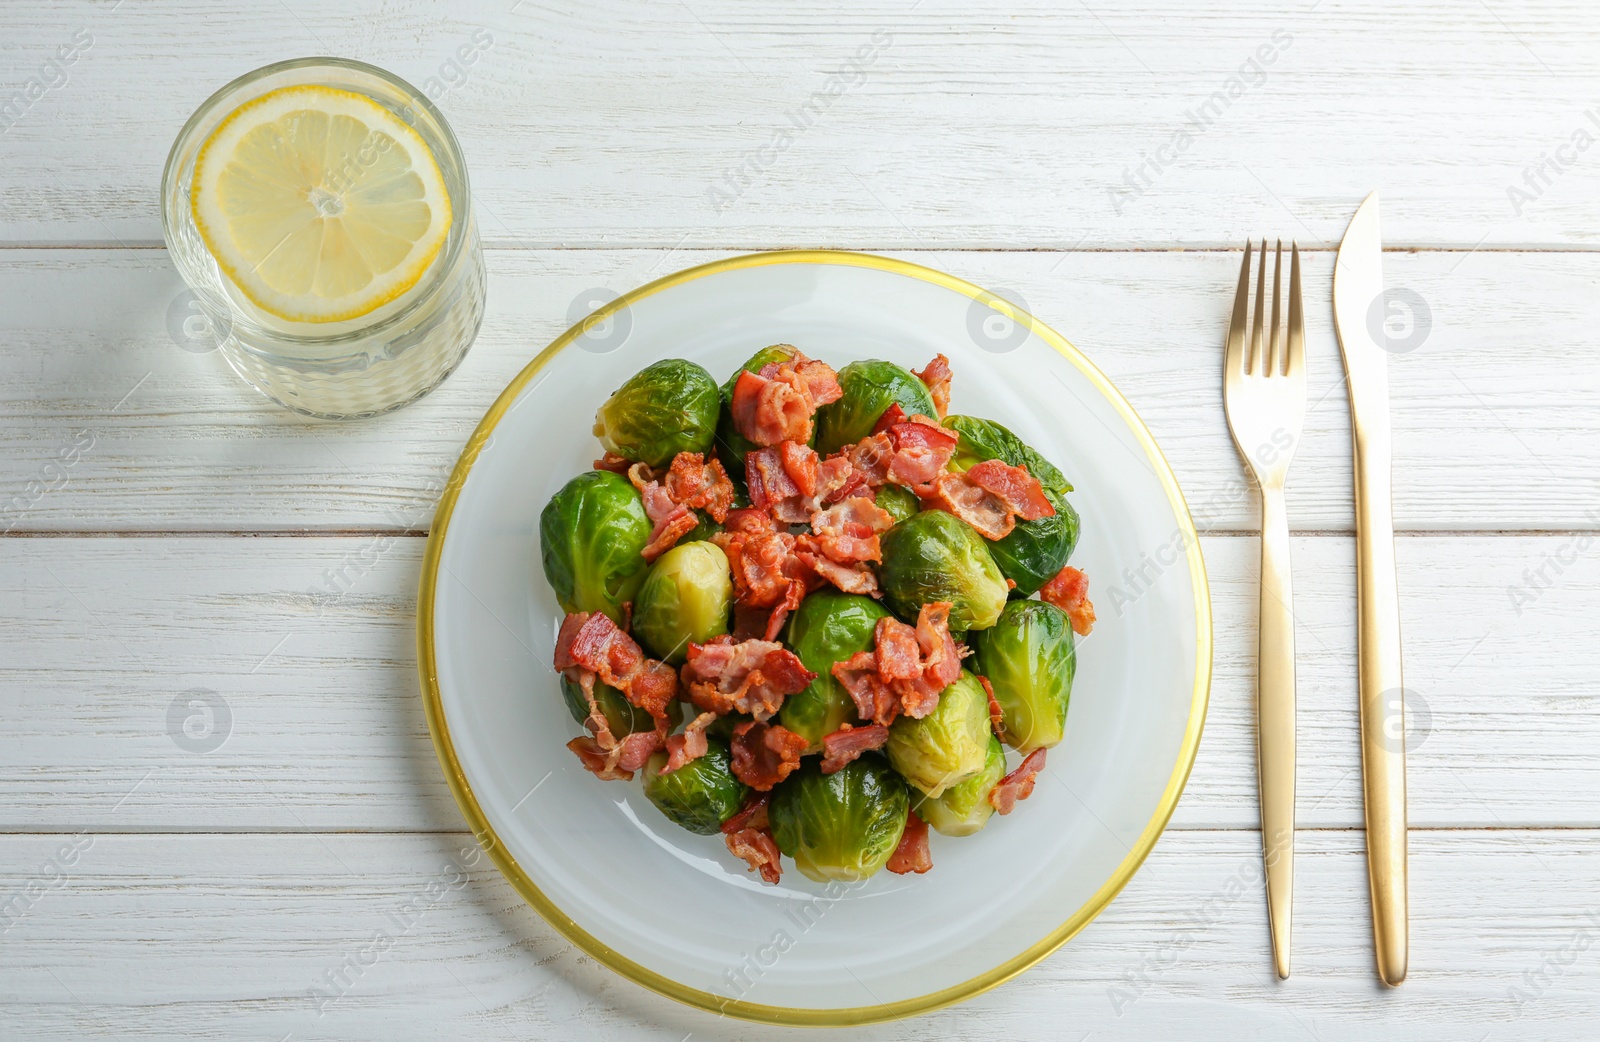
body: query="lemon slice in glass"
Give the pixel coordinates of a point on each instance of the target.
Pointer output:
(320, 204)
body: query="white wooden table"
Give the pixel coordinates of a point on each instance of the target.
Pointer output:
(163, 524)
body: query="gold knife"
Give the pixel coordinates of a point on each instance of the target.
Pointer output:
(1358, 313)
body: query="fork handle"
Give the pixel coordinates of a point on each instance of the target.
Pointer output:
(1383, 749)
(1275, 698)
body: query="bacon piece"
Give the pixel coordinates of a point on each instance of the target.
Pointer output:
(1069, 591)
(700, 484)
(765, 754)
(978, 507)
(997, 717)
(778, 403)
(921, 451)
(847, 532)
(1019, 490)
(898, 655)
(591, 641)
(847, 743)
(690, 745)
(870, 457)
(753, 676)
(597, 761)
(752, 813)
(665, 535)
(937, 376)
(856, 578)
(790, 483)
(908, 669)
(759, 850)
(872, 695)
(620, 761)
(614, 463)
(912, 854)
(941, 657)
(1018, 785)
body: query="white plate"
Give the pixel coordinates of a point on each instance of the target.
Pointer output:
(674, 911)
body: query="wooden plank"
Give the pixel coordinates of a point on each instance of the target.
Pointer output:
(99, 637)
(879, 124)
(1488, 418)
(206, 936)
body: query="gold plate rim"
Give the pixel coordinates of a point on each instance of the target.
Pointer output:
(439, 728)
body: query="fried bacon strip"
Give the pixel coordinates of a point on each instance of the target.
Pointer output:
(769, 578)
(614, 463)
(618, 762)
(990, 497)
(591, 641)
(848, 743)
(1018, 785)
(690, 745)
(671, 498)
(777, 404)
(843, 540)
(912, 854)
(765, 754)
(937, 376)
(752, 676)
(997, 717)
(922, 449)
(1069, 591)
(907, 670)
(757, 848)
(789, 482)
(752, 814)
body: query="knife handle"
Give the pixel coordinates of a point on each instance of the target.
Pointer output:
(1275, 737)
(1383, 763)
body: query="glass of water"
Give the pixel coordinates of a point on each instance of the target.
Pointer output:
(319, 211)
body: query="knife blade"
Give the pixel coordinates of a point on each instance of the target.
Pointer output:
(1359, 308)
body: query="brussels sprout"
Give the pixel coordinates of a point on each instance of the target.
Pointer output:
(622, 717)
(936, 556)
(899, 501)
(686, 596)
(840, 826)
(828, 627)
(590, 536)
(731, 445)
(1029, 659)
(965, 808)
(663, 409)
(1035, 550)
(948, 745)
(701, 794)
(870, 387)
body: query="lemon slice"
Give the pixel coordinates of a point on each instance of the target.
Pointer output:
(320, 204)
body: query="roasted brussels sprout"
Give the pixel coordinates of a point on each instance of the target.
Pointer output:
(964, 808)
(840, 826)
(828, 627)
(686, 596)
(899, 501)
(935, 556)
(870, 387)
(1029, 658)
(622, 717)
(663, 409)
(948, 745)
(590, 537)
(731, 445)
(1035, 550)
(701, 794)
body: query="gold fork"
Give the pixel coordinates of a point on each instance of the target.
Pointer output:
(1264, 390)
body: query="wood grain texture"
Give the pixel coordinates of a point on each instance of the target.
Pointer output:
(1491, 421)
(99, 636)
(967, 126)
(208, 936)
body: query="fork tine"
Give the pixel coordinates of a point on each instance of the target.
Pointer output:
(1233, 356)
(1297, 316)
(1274, 358)
(1258, 358)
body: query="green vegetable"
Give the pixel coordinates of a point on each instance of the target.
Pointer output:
(731, 445)
(965, 808)
(686, 597)
(590, 536)
(935, 556)
(1035, 550)
(870, 387)
(840, 826)
(899, 501)
(828, 627)
(622, 717)
(948, 745)
(701, 794)
(1029, 658)
(663, 409)
(704, 529)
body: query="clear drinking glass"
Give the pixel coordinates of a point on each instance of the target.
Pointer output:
(361, 366)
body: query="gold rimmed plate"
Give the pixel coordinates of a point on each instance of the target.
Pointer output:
(673, 911)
